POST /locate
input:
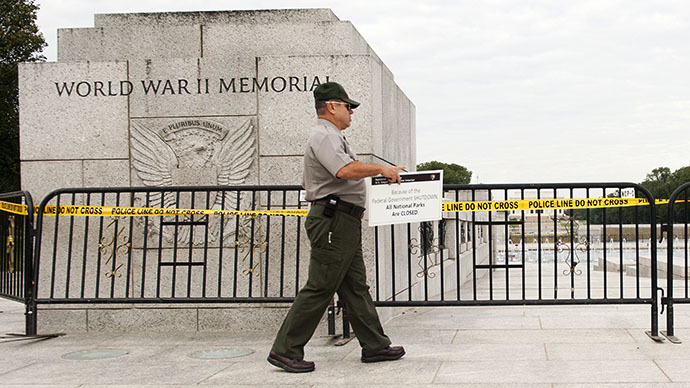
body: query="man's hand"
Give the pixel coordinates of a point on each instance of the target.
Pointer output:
(357, 170)
(391, 172)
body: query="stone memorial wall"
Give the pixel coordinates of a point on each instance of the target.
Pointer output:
(187, 80)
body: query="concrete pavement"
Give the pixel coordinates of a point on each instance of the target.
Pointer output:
(555, 346)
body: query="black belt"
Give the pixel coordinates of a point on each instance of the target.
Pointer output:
(345, 207)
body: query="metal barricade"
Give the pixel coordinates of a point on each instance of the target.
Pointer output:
(16, 258)
(591, 255)
(171, 259)
(517, 257)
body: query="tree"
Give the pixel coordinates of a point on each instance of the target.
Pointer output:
(20, 41)
(452, 173)
(659, 182)
(681, 176)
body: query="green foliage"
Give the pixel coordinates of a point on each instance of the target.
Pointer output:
(658, 182)
(661, 183)
(20, 41)
(453, 174)
(681, 175)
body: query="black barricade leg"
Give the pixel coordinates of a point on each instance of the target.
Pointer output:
(654, 333)
(346, 324)
(31, 319)
(331, 319)
(29, 278)
(669, 333)
(669, 277)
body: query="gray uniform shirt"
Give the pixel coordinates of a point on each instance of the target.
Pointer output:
(327, 152)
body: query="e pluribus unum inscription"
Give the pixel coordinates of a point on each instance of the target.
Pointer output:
(192, 152)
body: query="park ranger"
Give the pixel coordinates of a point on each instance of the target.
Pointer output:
(334, 183)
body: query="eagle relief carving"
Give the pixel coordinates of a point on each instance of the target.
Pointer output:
(192, 152)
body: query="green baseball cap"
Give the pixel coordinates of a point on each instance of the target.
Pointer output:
(333, 91)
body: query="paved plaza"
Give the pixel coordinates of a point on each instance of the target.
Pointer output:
(556, 346)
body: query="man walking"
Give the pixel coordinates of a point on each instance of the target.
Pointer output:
(333, 179)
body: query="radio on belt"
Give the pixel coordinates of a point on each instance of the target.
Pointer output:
(331, 204)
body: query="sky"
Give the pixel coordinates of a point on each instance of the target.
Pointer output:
(516, 91)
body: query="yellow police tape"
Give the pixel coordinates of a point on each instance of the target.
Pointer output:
(127, 211)
(546, 204)
(77, 210)
(13, 208)
(463, 206)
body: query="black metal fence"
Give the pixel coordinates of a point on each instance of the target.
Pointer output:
(179, 258)
(509, 257)
(16, 257)
(517, 257)
(677, 256)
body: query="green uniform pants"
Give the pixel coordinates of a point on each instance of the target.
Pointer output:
(335, 265)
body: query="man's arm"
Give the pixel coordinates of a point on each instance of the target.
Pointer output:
(357, 170)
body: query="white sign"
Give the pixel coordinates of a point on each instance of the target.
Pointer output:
(628, 193)
(417, 198)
